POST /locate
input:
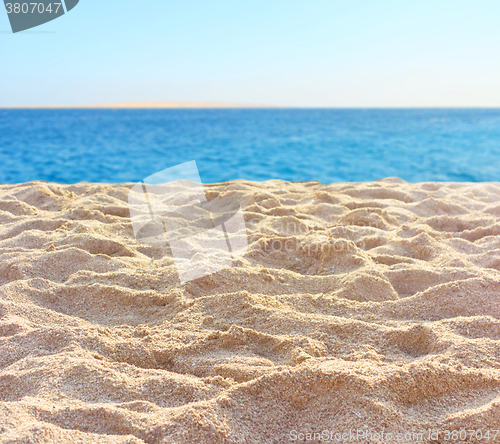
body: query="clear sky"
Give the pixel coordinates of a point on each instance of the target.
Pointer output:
(356, 53)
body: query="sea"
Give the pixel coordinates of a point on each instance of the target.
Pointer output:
(326, 145)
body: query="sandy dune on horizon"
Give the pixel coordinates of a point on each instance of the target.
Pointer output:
(142, 105)
(372, 306)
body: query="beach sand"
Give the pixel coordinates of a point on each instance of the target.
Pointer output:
(371, 306)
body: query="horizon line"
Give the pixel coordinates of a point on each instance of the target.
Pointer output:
(222, 105)
(143, 105)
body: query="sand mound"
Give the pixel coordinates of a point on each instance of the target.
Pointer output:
(362, 308)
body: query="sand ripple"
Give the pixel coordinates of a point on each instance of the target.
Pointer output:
(373, 305)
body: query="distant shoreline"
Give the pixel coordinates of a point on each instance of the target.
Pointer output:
(143, 105)
(219, 105)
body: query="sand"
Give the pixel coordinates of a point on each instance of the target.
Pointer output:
(362, 308)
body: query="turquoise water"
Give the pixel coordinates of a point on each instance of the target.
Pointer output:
(328, 145)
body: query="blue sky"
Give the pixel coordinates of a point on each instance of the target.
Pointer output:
(360, 53)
